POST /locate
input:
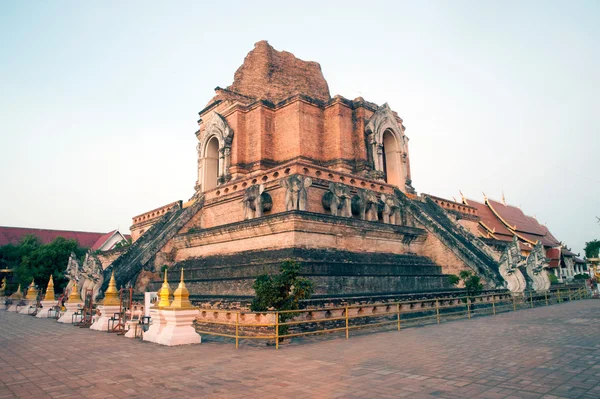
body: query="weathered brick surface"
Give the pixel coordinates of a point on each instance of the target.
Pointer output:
(275, 75)
(549, 352)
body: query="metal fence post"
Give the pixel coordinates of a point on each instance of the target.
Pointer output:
(276, 330)
(346, 313)
(437, 310)
(570, 297)
(237, 330)
(398, 309)
(514, 303)
(468, 307)
(558, 296)
(546, 296)
(494, 304)
(531, 298)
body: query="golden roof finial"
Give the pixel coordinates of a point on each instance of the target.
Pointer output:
(462, 196)
(181, 296)
(32, 292)
(49, 290)
(503, 199)
(75, 297)
(111, 296)
(164, 294)
(484, 196)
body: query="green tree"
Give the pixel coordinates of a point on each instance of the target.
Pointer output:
(471, 282)
(592, 249)
(32, 260)
(281, 291)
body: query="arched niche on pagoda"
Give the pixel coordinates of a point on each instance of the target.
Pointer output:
(214, 153)
(387, 148)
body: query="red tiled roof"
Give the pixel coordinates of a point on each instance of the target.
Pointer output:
(491, 221)
(13, 235)
(515, 217)
(103, 238)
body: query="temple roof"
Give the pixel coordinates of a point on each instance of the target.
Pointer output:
(268, 74)
(13, 235)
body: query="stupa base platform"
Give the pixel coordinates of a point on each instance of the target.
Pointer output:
(179, 329)
(67, 317)
(158, 323)
(106, 313)
(42, 313)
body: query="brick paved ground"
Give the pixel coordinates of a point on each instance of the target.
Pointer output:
(545, 352)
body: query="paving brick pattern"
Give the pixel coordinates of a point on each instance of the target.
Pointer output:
(546, 352)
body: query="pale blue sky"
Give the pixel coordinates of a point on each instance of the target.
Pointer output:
(99, 100)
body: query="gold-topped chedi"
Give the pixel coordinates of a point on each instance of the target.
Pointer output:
(3, 287)
(49, 290)
(32, 292)
(181, 297)
(74, 297)
(164, 294)
(111, 296)
(17, 294)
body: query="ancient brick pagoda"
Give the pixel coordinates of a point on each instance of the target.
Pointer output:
(287, 171)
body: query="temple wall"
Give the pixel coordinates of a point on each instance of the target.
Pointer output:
(307, 231)
(434, 249)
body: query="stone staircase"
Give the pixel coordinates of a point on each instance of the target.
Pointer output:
(141, 252)
(462, 242)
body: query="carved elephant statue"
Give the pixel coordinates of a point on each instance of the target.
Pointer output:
(296, 196)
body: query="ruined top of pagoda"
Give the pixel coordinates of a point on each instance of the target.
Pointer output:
(271, 75)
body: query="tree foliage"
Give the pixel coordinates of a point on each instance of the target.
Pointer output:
(471, 282)
(592, 249)
(30, 259)
(281, 291)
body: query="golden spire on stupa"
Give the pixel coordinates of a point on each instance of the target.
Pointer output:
(3, 287)
(181, 296)
(50, 290)
(111, 296)
(164, 294)
(74, 297)
(17, 294)
(32, 292)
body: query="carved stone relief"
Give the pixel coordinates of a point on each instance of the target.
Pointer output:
(296, 197)
(391, 209)
(536, 268)
(337, 200)
(509, 263)
(366, 205)
(256, 201)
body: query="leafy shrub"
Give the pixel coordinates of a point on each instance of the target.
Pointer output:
(281, 291)
(472, 282)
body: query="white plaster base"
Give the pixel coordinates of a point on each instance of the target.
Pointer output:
(157, 321)
(67, 317)
(26, 309)
(13, 307)
(43, 312)
(106, 312)
(179, 329)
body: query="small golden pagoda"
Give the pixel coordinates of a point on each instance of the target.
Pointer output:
(3, 287)
(181, 297)
(17, 294)
(32, 292)
(49, 290)
(111, 296)
(164, 294)
(74, 297)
